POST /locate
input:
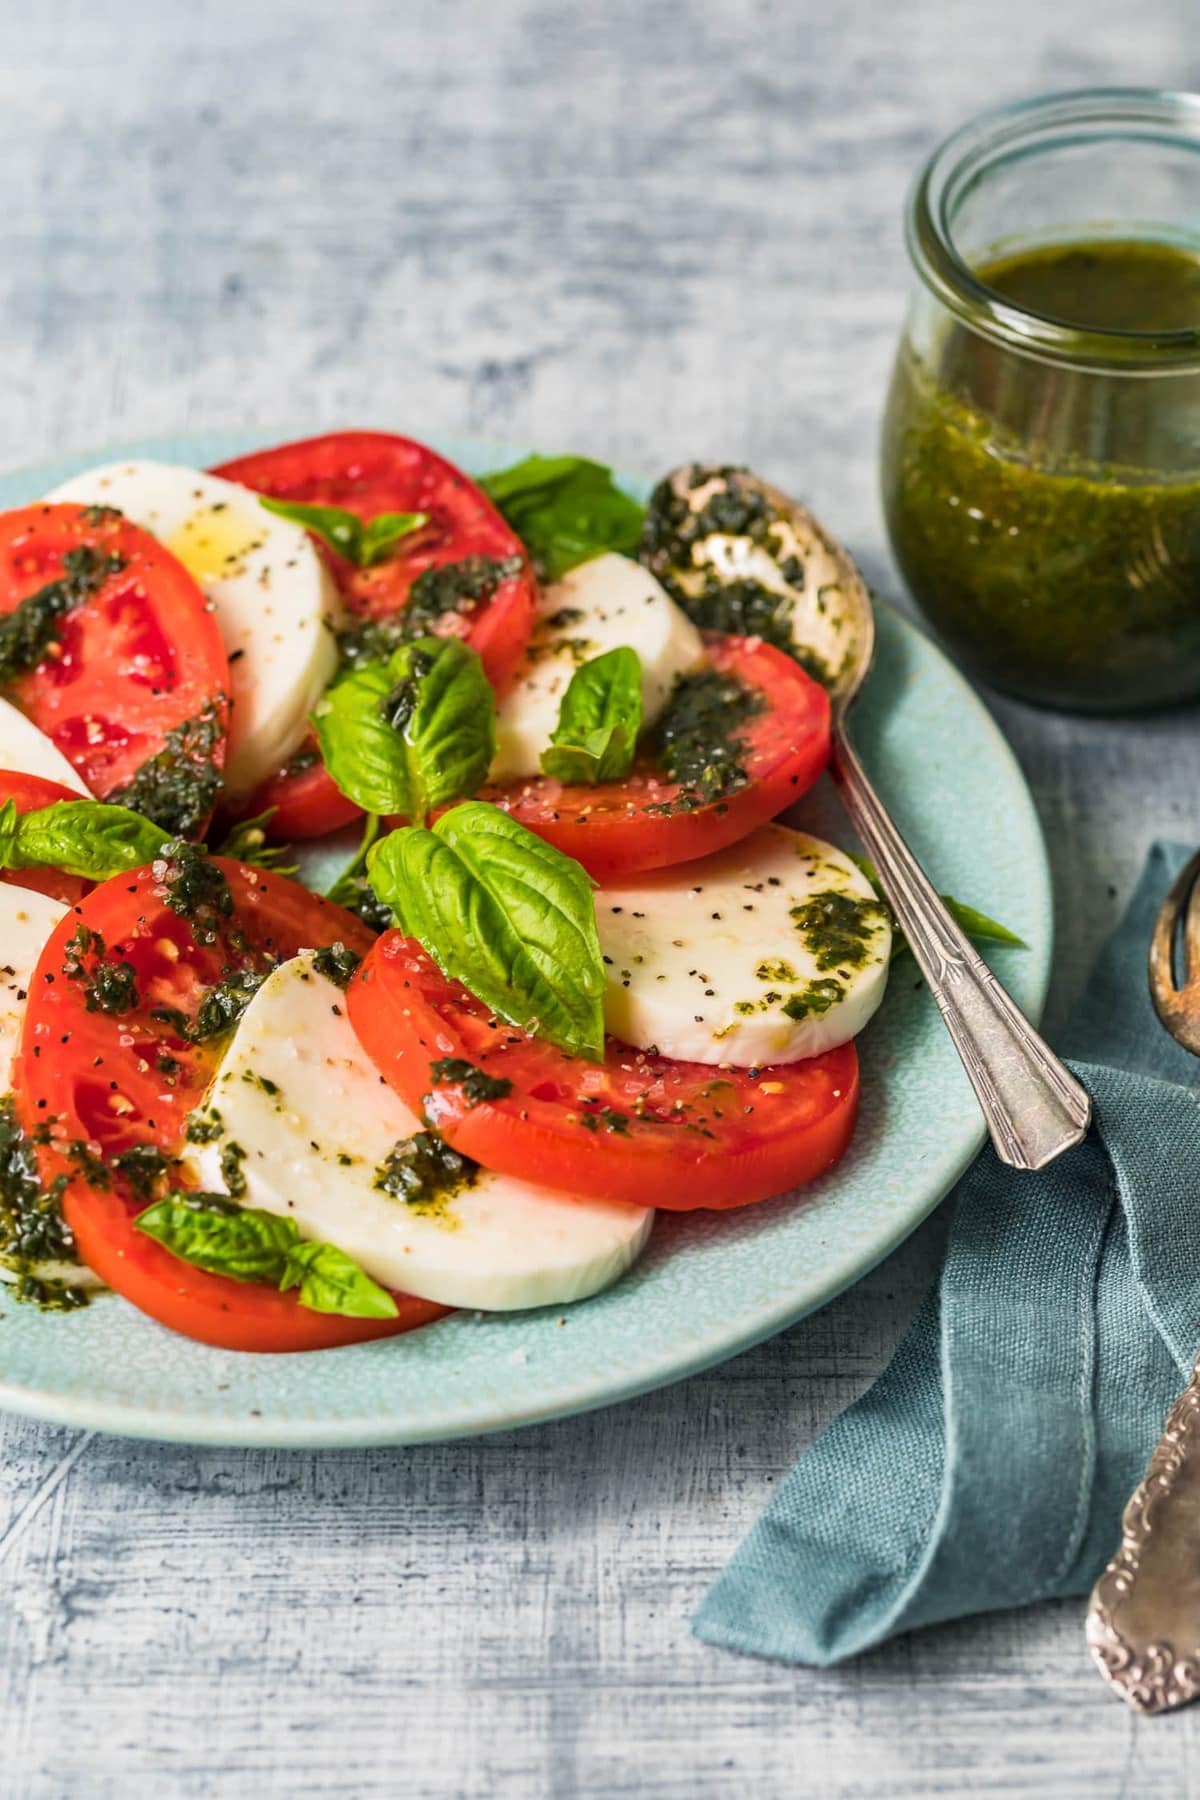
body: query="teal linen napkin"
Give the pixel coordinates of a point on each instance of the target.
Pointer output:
(988, 1465)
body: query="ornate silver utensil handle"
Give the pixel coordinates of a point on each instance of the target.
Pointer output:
(1143, 1623)
(1034, 1107)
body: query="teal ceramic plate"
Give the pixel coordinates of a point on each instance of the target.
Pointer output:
(709, 1285)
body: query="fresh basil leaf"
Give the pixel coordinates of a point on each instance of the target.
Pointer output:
(382, 533)
(565, 510)
(332, 1282)
(9, 826)
(598, 721)
(214, 1234)
(247, 842)
(362, 542)
(506, 914)
(976, 924)
(411, 733)
(82, 837)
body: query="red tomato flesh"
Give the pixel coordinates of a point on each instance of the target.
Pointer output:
(113, 1082)
(372, 472)
(620, 827)
(29, 793)
(640, 1128)
(138, 656)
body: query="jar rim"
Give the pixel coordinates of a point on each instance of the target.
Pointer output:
(1020, 129)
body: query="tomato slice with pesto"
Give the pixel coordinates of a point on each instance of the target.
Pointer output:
(114, 1055)
(745, 736)
(636, 1127)
(30, 793)
(464, 573)
(107, 644)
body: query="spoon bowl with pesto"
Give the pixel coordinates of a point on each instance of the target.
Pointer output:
(740, 555)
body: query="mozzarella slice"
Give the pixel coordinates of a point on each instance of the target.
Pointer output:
(26, 921)
(316, 1120)
(601, 605)
(29, 751)
(704, 960)
(273, 597)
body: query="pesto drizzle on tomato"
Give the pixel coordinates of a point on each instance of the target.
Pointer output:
(698, 739)
(28, 631)
(177, 787)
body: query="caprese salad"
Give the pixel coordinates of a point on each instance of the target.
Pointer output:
(573, 970)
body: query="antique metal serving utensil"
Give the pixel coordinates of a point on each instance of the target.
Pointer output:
(1143, 1623)
(763, 544)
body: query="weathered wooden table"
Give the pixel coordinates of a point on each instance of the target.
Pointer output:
(647, 230)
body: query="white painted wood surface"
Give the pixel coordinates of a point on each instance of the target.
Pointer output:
(650, 229)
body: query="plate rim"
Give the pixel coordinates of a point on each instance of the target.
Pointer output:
(140, 1421)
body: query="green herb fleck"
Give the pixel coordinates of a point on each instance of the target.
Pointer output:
(196, 889)
(817, 997)
(476, 1084)
(425, 1172)
(108, 986)
(204, 1126)
(232, 1158)
(607, 1117)
(336, 963)
(144, 1166)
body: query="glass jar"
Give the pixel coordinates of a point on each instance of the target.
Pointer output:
(1041, 442)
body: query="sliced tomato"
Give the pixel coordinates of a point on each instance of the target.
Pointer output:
(29, 793)
(113, 1082)
(636, 1127)
(136, 659)
(646, 821)
(373, 472)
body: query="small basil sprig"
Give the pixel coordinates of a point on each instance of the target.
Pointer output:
(598, 721)
(364, 542)
(412, 733)
(976, 924)
(565, 510)
(506, 914)
(211, 1233)
(81, 837)
(247, 842)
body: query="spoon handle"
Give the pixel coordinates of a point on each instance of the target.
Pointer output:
(1034, 1107)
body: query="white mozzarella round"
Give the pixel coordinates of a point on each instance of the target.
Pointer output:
(273, 598)
(316, 1121)
(602, 605)
(26, 921)
(29, 751)
(732, 959)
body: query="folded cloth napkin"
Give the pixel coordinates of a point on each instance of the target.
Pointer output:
(988, 1465)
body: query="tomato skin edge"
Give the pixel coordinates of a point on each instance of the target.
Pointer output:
(612, 840)
(197, 1305)
(212, 1309)
(404, 1037)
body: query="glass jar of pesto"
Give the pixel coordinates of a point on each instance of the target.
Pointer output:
(1041, 443)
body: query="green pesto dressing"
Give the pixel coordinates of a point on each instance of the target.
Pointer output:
(1047, 519)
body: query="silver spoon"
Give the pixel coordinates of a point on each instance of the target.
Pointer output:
(1143, 1621)
(1034, 1107)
